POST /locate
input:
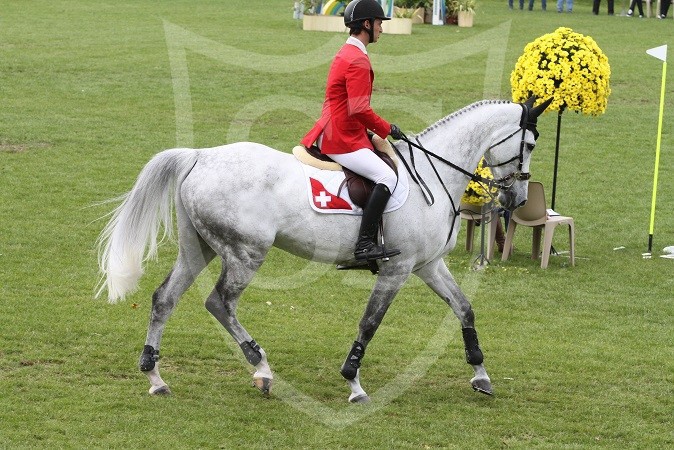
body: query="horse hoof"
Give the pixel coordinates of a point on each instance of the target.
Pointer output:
(160, 390)
(263, 385)
(482, 385)
(362, 398)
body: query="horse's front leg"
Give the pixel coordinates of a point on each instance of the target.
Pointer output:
(385, 289)
(437, 277)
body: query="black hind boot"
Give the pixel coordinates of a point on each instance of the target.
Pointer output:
(366, 247)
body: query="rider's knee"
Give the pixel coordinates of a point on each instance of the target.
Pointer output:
(388, 178)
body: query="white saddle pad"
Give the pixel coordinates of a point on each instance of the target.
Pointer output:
(323, 188)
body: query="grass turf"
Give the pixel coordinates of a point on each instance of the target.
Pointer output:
(579, 356)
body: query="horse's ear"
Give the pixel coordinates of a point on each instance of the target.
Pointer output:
(529, 103)
(538, 110)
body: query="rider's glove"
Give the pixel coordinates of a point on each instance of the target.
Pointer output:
(396, 133)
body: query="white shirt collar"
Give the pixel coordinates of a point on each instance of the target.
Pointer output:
(356, 42)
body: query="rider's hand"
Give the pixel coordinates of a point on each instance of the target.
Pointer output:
(396, 133)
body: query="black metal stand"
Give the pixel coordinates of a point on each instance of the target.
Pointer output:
(481, 261)
(554, 175)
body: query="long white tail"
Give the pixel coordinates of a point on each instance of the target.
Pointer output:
(130, 238)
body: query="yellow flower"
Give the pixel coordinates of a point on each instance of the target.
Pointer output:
(567, 66)
(476, 193)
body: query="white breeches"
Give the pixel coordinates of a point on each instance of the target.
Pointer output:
(366, 164)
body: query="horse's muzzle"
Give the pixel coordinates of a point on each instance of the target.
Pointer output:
(509, 201)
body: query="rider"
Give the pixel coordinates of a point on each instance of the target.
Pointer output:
(341, 132)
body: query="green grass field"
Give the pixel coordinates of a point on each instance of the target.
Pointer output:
(89, 90)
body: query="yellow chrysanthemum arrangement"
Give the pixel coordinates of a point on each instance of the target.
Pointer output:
(476, 193)
(567, 66)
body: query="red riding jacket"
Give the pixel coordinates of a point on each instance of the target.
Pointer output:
(347, 114)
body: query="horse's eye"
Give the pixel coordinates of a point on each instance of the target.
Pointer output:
(530, 147)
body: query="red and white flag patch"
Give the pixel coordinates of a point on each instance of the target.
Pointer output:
(324, 199)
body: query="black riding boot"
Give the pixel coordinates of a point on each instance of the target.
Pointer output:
(366, 247)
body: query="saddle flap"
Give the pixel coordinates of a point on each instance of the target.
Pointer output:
(359, 188)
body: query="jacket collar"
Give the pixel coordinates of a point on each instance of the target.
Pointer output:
(357, 43)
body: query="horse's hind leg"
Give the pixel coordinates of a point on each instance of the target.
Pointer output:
(238, 268)
(194, 255)
(437, 277)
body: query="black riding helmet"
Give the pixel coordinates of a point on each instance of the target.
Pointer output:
(362, 10)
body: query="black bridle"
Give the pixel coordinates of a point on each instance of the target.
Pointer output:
(525, 124)
(505, 182)
(488, 184)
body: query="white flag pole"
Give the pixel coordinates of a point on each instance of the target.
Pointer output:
(661, 54)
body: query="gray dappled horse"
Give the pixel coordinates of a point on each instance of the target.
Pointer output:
(237, 201)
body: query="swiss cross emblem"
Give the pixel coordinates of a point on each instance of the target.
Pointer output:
(324, 199)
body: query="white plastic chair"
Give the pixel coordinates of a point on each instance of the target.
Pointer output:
(534, 214)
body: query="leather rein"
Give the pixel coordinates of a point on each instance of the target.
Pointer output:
(502, 183)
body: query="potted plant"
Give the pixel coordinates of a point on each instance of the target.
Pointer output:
(451, 11)
(465, 13)
(428, 10)
(323, 16)
(397, 25)
(409, 9)
(311, 6)
(329, 16)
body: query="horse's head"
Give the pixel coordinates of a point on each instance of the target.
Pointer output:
(508, 157)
